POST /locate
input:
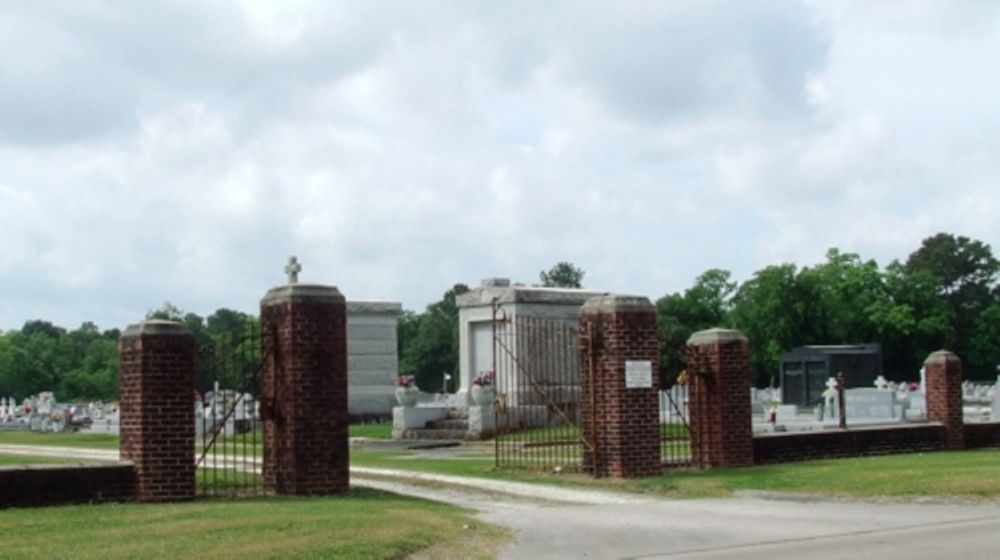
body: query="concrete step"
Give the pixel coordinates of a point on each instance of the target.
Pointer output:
(458, 413)
(462, 425)
(432, 434)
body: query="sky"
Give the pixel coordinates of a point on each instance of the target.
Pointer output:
(181, 151)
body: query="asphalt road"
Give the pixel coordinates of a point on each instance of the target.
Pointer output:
(551, 522)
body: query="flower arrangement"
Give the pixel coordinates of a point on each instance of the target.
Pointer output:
(484, 379)
(407, 381)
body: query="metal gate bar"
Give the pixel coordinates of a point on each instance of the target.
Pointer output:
(675, 431)
(537, 366)
(228, 428)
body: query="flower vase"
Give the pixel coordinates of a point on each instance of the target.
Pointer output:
(483, 395)
(407, 396)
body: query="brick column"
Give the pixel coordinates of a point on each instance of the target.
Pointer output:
(943, 396)
(305, 390)
(620, 417)
(718, 365)
(156, 388)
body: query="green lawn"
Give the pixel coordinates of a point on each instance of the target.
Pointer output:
(63, 439)
(6, 460)
(366, 524)
(968, 474)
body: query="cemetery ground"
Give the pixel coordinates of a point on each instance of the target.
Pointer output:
(790, 510)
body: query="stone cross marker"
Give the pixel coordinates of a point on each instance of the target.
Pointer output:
(881, 383)
(292, 270)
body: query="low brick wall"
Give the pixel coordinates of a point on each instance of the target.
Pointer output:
(980, 435)
(834, 444)
(51, 485)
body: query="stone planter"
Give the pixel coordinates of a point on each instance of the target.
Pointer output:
(482, 395)
(407, 396)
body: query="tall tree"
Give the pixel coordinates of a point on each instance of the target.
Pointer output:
(428, 342)
(704, 305)
(562, 275)
(966, 273)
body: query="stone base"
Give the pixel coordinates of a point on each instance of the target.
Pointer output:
(415, 418)
(482, 422)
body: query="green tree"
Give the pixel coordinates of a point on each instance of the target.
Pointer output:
(966, 273)
(562, 275)
(704, 305)
(428, 342)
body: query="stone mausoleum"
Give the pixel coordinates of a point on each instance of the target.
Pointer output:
(372, 358)
(475, 320)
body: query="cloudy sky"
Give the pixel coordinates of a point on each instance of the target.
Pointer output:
(181, 151)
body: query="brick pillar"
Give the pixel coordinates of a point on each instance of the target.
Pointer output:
(156, 388)
(620, 415)
(718, 365)
(305, 390)
(943, 396)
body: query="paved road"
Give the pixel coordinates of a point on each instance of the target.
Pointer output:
(561, 523)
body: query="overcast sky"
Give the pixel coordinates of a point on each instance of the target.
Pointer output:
(182, 151)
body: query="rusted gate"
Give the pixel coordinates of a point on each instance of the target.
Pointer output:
(228, 428)
(537, 369)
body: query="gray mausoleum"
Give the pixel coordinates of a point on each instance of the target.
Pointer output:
(806, 369)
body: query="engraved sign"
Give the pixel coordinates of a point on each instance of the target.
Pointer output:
(638, 375)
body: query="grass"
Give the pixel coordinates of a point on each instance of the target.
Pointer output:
(10, 460)
(371, 431)
(966, 474)
(366, 524)
(62, 439)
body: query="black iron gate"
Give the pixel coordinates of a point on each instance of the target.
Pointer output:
(537, 370)
(675, 428)
(228, 428)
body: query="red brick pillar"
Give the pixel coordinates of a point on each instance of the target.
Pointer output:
(718, 365)
(305, 390)
(156, 389)
(620, 409)
(943, 388)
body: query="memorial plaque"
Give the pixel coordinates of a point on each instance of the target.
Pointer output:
(638, 375)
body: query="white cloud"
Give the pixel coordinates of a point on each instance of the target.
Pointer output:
(182, 152)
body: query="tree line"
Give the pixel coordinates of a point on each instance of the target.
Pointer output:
(943, 296)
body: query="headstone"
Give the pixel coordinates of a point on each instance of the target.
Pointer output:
(865, 404)
(786, 413)
(881, 383)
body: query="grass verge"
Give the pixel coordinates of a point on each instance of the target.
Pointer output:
(366, 524)
(971, 475)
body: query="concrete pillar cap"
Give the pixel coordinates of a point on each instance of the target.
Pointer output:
(310, 293)
(156, 327)
(716, 336)
(617, 303)
(942, 357)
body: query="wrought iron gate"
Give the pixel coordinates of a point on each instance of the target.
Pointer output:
(675, 428)
(537, 370)
(229, 435)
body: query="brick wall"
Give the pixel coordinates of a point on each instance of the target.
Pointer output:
(305, 402)
(835, 444)
(156, 385)
(621, 423)
(51, 485)
(719, 372)
(978, 436)
(943, 393)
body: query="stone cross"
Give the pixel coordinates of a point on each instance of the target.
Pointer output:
(880, 382)
(829, 394)
(292, 270)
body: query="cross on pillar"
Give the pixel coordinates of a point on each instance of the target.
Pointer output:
(292, 270)
(880, 382)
